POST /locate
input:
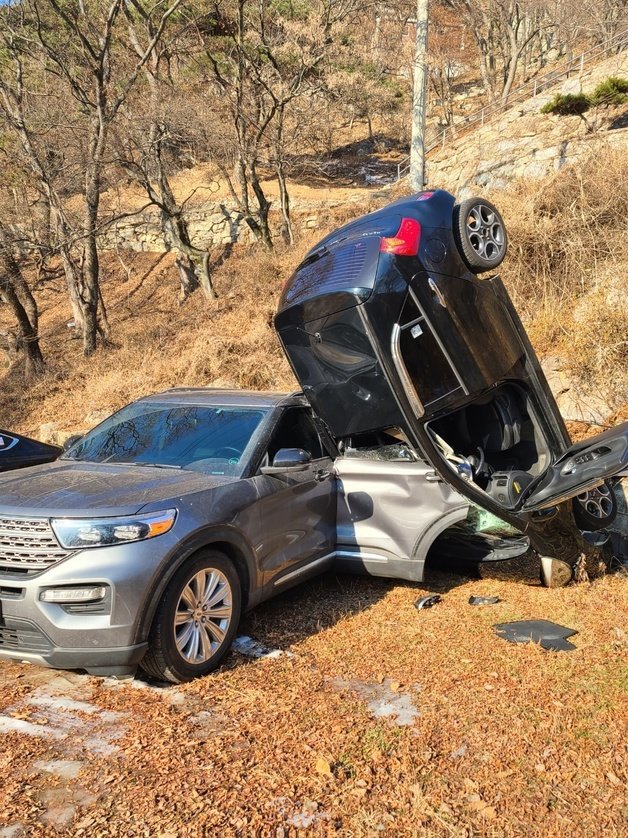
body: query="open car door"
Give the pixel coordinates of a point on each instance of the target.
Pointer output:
(584, 466)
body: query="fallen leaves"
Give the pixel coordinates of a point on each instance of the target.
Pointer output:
(323, 767)
(274, 747)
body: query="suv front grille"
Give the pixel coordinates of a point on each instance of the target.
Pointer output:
(28, 545)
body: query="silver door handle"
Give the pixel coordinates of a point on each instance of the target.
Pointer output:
(321, 475)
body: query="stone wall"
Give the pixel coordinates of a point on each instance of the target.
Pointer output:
(211, 225)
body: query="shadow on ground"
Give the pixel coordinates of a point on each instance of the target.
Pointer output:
(317, 605)
(368, 162)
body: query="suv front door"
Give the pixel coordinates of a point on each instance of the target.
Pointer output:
(296, 512)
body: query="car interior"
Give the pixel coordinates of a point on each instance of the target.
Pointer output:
(499, 438)
(389, 444)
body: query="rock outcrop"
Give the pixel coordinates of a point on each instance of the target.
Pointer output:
(524, 143)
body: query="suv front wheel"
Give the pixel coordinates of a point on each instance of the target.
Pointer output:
(196, 619)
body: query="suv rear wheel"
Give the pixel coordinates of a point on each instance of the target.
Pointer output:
(196, 619)
(480, 234)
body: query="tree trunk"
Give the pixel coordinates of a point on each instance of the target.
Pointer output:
(73, 282)
(91, 268)
(12, 269)
(484, 68)
(264, 207)
(187, 276)
(28, 337)
(57, 213)
(284, 197)
(192, 262)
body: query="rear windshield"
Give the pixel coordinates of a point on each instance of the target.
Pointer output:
(212, 439)
(347, 267)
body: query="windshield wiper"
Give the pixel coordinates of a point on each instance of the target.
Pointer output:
(154, 465)
(139, 463)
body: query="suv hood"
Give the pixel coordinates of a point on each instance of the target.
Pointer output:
(73, 489)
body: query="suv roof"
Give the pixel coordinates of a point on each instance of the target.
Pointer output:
(219, 396)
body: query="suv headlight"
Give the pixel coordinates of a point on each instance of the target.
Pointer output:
(73, 533)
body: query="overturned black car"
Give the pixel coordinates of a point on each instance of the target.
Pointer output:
(19, 451)
(388, 323)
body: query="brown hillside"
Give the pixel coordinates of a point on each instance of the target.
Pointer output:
(156, 343)
(566, 270)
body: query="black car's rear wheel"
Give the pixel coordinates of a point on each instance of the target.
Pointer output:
(196, 619)
(480, 234)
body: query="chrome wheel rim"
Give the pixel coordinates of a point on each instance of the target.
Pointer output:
(203, 615)
(485, 232)
(597, 502)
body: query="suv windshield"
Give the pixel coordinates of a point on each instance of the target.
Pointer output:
(212, 439)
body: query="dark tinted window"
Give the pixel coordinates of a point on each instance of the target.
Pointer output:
(428, 368)
(7, 442)
(341, 268)
(197, 437)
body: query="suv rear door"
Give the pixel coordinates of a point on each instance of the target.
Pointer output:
(390, 511)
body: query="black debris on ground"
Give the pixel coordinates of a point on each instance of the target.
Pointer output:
(547, 634)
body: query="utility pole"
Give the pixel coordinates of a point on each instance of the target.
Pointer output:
(419, 96)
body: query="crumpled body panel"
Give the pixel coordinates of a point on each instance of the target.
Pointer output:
(389, 514)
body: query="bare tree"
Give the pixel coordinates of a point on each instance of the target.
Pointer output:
(76, 47)
(15, 292)
(607, 18)
(143, 153)
(266, 57)
(502, 30)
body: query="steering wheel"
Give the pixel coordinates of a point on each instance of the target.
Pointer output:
(228, 453)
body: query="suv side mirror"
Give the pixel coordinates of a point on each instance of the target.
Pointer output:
(71, 440)
(288, 460)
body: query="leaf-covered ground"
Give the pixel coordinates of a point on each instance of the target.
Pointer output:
(381, 720)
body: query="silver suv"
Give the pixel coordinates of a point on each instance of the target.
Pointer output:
(144, 542)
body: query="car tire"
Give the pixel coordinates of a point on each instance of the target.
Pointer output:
(480, 234)
(196, 619)
(596, 509)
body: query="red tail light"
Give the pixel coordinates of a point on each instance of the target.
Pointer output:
(407, 240)
(425, 196)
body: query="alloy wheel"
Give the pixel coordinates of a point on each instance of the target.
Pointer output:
(203, 615)
(485, 232)
(598, 502)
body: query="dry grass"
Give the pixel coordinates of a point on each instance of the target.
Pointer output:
(155, 343)
(567, 268)
(567, 271)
